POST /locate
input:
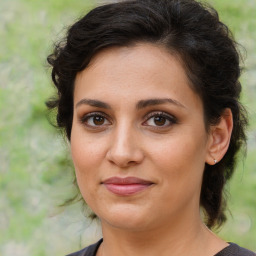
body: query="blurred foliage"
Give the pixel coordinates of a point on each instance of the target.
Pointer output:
(35, 170)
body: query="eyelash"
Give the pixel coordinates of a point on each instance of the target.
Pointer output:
(171, 119)
(167, 117)
(84, 119)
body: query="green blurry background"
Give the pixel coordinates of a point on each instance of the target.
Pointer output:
(35, 171)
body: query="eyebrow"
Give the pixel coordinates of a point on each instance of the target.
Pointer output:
(152, 102)
(93, 103)
(141, 104)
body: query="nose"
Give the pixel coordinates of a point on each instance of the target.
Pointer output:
(125, 149)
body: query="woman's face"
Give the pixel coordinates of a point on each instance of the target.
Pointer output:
(138, 140)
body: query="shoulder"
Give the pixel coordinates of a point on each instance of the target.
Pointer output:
(90, 250)
(244, 252)
(235, 250)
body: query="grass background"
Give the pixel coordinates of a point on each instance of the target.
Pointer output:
(35, 171)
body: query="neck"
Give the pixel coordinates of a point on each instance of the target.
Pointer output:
(179, 238)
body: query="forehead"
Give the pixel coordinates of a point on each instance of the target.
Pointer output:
(140, 58)
(140, 71)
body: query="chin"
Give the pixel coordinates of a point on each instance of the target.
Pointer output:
(126, 218)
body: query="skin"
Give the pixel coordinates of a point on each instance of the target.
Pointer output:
(113, 135)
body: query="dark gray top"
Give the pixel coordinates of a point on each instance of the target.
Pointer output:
(231, 250)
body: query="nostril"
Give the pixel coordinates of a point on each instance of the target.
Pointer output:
(131, 163)
(124, 152)
(124, 160)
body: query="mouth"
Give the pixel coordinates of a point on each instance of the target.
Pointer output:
(126, 186)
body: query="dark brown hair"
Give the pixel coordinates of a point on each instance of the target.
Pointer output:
(186, 28)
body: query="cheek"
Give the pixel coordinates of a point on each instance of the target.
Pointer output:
(181, 159)
(86, 150)
(87, 157)
(181, 168)
(180, 150)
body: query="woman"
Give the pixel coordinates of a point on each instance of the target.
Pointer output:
(148, 96)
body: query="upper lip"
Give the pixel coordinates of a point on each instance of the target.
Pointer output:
(126, 181)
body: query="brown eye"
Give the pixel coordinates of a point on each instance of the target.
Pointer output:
(95, 120)
(160, 120)
(98, 120)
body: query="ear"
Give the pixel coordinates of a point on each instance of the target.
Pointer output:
(219, 138)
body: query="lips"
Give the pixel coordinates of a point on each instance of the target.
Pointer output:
(126, 186)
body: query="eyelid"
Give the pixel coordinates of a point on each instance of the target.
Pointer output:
(172, 119)
(159, 113)
(84, 117)
(169, 117)
(94, 113)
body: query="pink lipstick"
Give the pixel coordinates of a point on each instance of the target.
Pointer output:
(126, 186)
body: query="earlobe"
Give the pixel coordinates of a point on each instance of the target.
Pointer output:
(219, 139)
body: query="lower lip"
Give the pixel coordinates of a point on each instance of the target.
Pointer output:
(127, 189)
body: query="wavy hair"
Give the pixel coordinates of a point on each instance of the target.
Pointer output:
(186, 28)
